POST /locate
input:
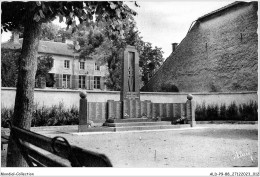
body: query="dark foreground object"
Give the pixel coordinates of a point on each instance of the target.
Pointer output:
(41, 151)
(4, 141)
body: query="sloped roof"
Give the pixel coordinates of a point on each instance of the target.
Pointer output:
(220, 10)
(50, 47)
(172, 55)
(56, 48)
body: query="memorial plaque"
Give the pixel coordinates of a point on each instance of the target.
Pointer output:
(132, 95)
(155, 110)
(161, 109)
(149, 109)
(143, 108)
(118, 109)
(174, 110)
(111, 112)
(164, 110)
(168, 110)
(178, 110)
(183, 110)
(126, 108)
(132, 108)
(138, 108)
(91, 110)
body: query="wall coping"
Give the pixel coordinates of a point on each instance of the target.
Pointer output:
(64, 90)
(199, 93)
(142, 93)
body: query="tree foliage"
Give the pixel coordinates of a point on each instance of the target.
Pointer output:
(13, 13)
(9, 66)
(150, 61)
(30, 16)
(168, 87)
(49, 31)
(109, 52)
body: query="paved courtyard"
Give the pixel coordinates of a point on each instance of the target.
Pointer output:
(225, 145)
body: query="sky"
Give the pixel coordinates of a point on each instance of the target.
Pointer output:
(165, 22)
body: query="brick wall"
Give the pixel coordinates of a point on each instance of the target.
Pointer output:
(218, 54)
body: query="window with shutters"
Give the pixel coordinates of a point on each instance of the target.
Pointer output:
(97, 67)
(81, 65)
(97, 82)
(66, 64)
(66, 81)
(82, 82)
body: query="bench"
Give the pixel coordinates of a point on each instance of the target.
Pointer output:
(4, 141)
(42, 151)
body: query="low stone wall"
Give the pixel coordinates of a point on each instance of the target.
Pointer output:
(200, 97)
(69, 98)
(48, 97)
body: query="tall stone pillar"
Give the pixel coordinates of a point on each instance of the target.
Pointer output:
(130, 88)
(83, 114)
(190, 110)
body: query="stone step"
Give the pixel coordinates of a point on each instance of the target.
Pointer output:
(129, 120)
(135, 128)
(131, 124)
(156, 127)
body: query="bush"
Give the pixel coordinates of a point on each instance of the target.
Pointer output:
(6, 114)
(201, 112)
(212, 112)
(243, 112)
(223, 112)
(46, 116)
(168, 87)
(249, 111)
(232, 112)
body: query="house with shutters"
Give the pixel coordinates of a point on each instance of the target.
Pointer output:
(68, 70)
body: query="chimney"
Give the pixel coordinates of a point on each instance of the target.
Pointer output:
(174, 46)
(15, 37)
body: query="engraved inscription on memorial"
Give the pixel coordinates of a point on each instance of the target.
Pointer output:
(131, 63)
(132, 95)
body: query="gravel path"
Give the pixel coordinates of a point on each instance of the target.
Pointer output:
(226, 145)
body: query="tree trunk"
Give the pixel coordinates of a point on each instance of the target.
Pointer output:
(25, 86)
